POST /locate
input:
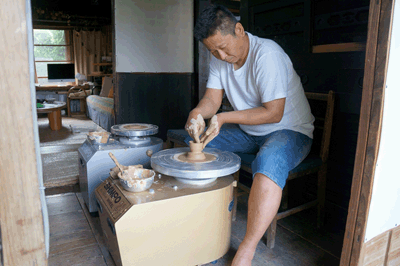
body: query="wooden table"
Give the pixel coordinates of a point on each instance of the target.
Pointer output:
(53, 88)
(53, 111)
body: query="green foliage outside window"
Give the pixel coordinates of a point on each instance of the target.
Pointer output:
(50, 37)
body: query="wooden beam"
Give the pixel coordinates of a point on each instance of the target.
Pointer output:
(21, 222)
(339, 47)
(297, 209)
(377, 49)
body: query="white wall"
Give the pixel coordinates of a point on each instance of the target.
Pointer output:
(154, 35)
(384, 211)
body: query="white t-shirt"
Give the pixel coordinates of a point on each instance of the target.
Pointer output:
(266, 75)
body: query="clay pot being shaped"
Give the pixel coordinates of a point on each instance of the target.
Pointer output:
(196, 152)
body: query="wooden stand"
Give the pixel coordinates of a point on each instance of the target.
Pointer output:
(55, 120)
(54, 114)
(77, 93)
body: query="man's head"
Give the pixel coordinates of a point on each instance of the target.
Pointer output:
(223, 36)
(212, 19)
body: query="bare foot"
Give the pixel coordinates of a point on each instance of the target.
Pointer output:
(243, 256)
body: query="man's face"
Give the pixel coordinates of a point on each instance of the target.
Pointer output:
(228, 48)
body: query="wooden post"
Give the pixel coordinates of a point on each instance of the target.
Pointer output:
(321, 194)
(21, 222)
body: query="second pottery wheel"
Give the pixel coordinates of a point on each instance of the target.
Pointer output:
(167, 162)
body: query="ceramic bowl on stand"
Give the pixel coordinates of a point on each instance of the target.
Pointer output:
(50, 100)
(142, 181)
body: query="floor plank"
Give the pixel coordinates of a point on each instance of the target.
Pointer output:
(64, 203)
(66, 242)
(59, 148)
(94, 223)
(72, 241)
(60, 169)
(60, 224)
(85, 256)
(62, 190)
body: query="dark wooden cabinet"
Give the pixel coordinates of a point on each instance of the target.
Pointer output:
(162, 99)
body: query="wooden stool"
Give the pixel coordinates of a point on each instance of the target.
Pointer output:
(78, 93)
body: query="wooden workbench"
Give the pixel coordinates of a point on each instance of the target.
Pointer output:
(54, 88)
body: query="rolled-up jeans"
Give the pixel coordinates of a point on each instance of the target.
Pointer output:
(277, 152)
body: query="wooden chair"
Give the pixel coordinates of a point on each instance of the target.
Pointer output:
(322, 107)
(78, 93)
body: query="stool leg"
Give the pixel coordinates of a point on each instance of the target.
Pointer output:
(68, 107)
(235, 195)
(82, 105)
(271, 233)
(55, 120)
(285, 198)
(321, 195)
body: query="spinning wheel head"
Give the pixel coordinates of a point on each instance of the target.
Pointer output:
(169, 162)
(134, 130)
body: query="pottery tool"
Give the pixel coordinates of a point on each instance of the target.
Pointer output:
(123, 171)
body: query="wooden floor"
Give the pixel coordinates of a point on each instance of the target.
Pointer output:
(76, 237)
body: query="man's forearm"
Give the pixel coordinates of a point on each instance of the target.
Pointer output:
(206, 107)
(255, 116)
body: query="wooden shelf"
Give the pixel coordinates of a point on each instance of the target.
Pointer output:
(99, 75)
(339, 47)
(102, 64)
(54, 88)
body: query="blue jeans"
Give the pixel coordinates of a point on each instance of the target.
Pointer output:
(277, 153)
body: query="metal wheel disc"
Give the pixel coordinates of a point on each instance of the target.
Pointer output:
(166, 162)
(134, 130)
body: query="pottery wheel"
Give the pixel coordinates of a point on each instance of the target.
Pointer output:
(134, 134)
(134, 130)
(167, 162)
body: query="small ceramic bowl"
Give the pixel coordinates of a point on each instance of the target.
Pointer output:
(144, 182)
(50, 100)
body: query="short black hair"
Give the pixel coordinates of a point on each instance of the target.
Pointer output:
(212, 19)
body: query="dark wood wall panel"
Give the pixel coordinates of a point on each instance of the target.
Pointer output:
(298, 26)
(344, 60)
(347, 84)
(162, 99)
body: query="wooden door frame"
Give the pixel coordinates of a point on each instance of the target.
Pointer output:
(370, 125)
(21, 219)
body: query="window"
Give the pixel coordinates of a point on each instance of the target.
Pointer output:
(51, 46)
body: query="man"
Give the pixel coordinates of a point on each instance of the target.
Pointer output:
(269, 105)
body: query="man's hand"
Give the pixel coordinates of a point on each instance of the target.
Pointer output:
(212, 131)
(195, 127)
